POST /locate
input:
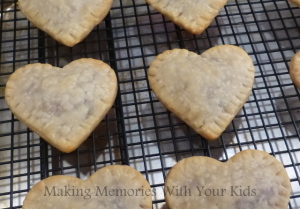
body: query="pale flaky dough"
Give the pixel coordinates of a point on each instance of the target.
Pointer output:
(295, 69)
(295, 2)
(251, 179)
(62, 105)
(112, 187)
(67, 21)
(206, 91)
(192, 15)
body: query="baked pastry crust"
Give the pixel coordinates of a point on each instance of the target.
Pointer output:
(62, 105)
(295, 2)
(67, 21)
(295, 69)
(112, 187)
(205, 91)
(192, 15)
(251, 179)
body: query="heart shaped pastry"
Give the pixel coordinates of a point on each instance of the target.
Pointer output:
(192, 15)
(251, 179)
(295, 69)
(63, 105)
(114, 186)
(67, 21)
(206, 91)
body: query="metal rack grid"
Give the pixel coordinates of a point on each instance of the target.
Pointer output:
(139, 131)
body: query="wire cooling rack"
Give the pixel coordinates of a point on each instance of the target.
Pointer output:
(139, 131)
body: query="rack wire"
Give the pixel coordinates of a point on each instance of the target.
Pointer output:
(139, 131)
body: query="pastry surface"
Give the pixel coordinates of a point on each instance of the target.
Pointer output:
(251, 179)
(62, 105)
(67, 21)
(205, 91)
(112, 187)
(192, 15)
